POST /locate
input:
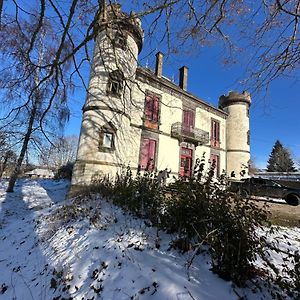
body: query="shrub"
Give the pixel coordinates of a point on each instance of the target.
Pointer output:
(65, 172)
(201, 209)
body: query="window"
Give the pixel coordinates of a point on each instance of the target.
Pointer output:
(107, 138)
(215, 162)
(215, 133)
(106, 141)
(152, 108)
(188, 120)
(248, 137)
(148, 153)
(115, 83)
(120, 41)
(186, 162)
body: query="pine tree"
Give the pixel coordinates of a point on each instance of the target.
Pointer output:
(280, 159)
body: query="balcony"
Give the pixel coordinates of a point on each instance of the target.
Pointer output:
(185, 133)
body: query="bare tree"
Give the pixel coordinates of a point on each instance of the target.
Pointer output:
(43, 39)
(61, 152)
(32, 92)
(7, 161)
(253, 166)
(266, 29)
(7, 155)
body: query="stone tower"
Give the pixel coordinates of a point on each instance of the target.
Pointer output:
(106, 114)
(237, 132)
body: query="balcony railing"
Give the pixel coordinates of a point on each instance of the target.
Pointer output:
(180, 131)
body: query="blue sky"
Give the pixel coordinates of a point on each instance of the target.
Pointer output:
(274, 115)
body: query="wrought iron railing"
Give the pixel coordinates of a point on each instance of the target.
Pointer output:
(180, 131)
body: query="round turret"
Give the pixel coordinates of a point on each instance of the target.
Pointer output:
(105, 130)
(113, 17)
(237, 132)
(235, 98)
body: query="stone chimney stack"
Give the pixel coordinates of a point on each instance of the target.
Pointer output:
(183, 75)
(159, 64)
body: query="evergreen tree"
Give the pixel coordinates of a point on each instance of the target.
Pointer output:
(280, 159)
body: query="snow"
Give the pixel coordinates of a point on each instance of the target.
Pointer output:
(110, 255)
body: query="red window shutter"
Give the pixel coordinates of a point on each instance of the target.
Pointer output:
(188, 118)
(218, 134)
(155, 109)
(215, 133)
(148, 150)
(152, 148)
(144, 153)
(152, 108)
(192, 119)
(212, 138)
(148, 107)
(185, 118)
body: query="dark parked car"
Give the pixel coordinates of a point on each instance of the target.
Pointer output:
(266, 188)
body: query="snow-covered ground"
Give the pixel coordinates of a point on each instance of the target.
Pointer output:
(111, 255)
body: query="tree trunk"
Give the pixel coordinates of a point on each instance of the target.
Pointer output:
(1, 7)
(16, 172)
(3, 167)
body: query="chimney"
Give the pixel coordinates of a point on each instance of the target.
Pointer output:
(183, 74)
(159, 64)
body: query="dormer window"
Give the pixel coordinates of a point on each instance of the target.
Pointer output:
(115, 83)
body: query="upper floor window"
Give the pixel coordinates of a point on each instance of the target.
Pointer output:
(188, 120)
(248, 137)
(215, 133)
(148, 154)
(115, 83)
(152, 108)
(120, 41)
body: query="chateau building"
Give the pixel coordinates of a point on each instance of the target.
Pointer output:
(137, 117)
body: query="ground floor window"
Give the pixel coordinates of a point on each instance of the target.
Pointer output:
(186, 162)
(148, 154)
(215, 161)
(107, 141)
(107, 138)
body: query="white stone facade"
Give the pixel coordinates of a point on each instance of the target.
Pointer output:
(116, 127)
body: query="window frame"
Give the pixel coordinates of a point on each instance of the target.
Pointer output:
(188, 120)
(107, 129)
(115, 84)
(153, 114)
(148, 167)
